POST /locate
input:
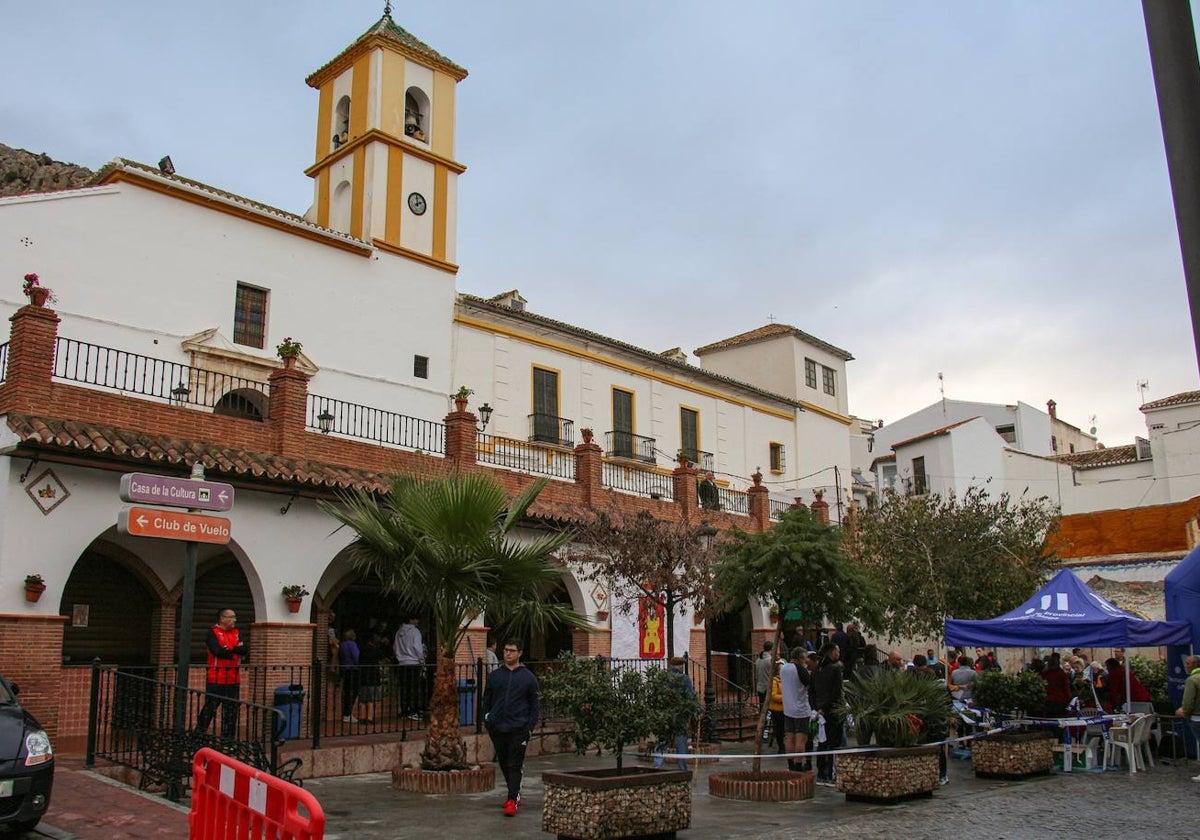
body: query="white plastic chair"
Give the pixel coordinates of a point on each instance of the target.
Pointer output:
(1124, 739)
(1141, 739)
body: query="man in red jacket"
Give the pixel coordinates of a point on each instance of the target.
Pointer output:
(224, 678)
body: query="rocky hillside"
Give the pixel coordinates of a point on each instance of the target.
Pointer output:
(25, 172)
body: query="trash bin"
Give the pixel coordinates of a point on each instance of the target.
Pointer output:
(288, 700)
(466, 702)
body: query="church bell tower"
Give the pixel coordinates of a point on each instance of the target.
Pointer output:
(385, 170)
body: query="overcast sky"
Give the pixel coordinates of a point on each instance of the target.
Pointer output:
(976, 189)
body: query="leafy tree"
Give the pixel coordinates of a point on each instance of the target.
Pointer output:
(799, 561)
(613, 708)
(966, 557)
(445, 545)
(642, 556)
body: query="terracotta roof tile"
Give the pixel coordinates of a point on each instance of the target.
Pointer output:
(136, 446)
(1175, 399)
(1107, 457)
(772, 331)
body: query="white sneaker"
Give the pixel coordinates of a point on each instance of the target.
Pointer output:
(1196, 778)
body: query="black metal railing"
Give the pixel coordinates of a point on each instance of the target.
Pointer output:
(329, 415)
(546, 428)
(145, 376)
(733, 501)
(629, 445)
(777, 508)
(3, 361)
(524, 457)
(702, 459)
(629, 479)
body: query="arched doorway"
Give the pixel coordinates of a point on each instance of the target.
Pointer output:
(110, 613)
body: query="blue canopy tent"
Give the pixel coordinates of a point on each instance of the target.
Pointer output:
(1066, 612)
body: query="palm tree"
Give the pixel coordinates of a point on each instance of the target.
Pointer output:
(446, 544)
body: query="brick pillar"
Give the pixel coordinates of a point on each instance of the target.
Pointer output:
(461, 435)
(31, 656)
(473, 645)
(589, 470)
(684, 479)
(163, 632)
(30, 360)
(820, 508)
(757, 497)
(597, 642)
(289, 409)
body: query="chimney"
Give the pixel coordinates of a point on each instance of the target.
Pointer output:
(1052, 407)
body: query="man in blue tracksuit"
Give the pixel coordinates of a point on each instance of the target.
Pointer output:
(510, 711)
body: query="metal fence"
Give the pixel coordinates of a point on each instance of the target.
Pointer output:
(518, 455)
(734, 501)
(629, 445)
(172, 382)
(329, 415)
(630, 479)
(777, 508)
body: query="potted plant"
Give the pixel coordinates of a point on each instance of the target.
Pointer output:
(611, 709)
(34, 587)
(683, 457)
(587, 434)
(1014, 754)
(288, 350)
(901, 710)
(294, 593)
(38, 294)
(460, 397)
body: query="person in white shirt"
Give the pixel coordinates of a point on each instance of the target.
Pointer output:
(797, 711)
(409, 648)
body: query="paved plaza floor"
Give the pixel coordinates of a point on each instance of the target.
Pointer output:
(1161, 803)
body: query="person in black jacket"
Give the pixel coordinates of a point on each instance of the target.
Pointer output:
(511, 708)
(825, 692)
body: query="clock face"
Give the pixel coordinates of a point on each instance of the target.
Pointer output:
(416, 203)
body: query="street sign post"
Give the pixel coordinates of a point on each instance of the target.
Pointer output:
(173, 525)
(176, 492)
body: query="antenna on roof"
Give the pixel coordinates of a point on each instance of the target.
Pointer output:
(165, 166)
(1143, 385)
(1092, 420)
(387, 8)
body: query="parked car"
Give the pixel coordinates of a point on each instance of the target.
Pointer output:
(26, 763)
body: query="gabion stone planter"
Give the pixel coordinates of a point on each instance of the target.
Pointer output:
(634, 802)
(888, 775)
(1013, 755)
(769, 786)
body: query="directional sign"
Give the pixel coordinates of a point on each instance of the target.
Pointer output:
(176, 492)
(173, 525)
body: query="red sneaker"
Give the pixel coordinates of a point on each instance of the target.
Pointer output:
(510, 808)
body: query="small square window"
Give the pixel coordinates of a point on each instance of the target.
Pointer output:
(777, 458)
(421, 367)
(829, 380)
(250, 316)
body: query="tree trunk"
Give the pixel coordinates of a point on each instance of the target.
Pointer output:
(445, 748)
(756, 768)
(670, 617)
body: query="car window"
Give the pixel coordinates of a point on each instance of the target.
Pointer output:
(6, 696)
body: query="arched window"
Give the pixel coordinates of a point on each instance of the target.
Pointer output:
(339, 208)
(416, 114)
(243, 402)
(341, 122)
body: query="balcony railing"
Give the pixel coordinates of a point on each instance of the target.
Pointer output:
(702, 459)
(172, 382)
(629, 479)
(524, 457)
(734, 501)
(778, 508)
(546, 428)
(328, 415)
(629, 445)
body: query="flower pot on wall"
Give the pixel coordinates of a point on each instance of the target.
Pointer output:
(33, 591)
(460, 405)
(294, 604)
(38, 297)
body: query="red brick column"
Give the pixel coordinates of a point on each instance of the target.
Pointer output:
(31, 656)
(472, 646)
(589, 470)
(289, 409)
(460, 439)
(684, 478)
(757, 498)
(30, 360)
(820, 508)
(595, 643)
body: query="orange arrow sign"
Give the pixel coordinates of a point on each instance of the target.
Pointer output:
(173, 525)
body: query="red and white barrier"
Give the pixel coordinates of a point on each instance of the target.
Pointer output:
(234, 801)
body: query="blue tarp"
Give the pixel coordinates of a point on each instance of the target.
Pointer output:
(1181, 589)
(1067, 613)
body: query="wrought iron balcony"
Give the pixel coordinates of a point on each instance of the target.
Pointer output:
(546, 428)
(700, 458)
(629, 445)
